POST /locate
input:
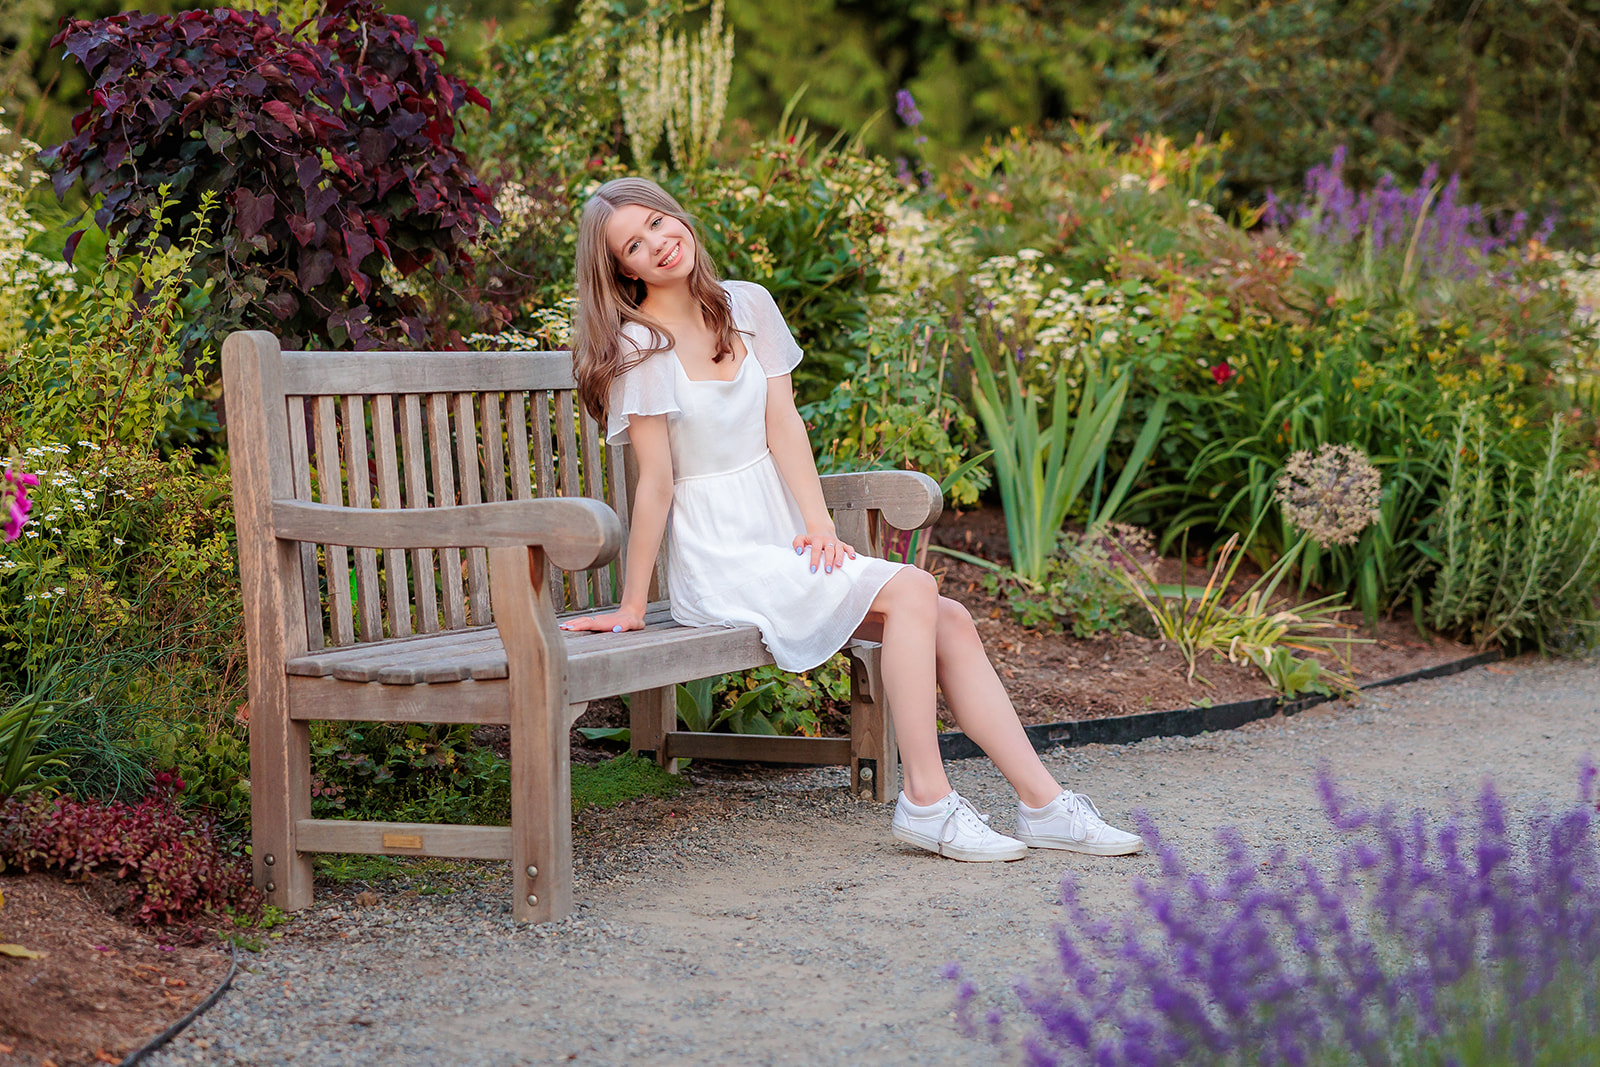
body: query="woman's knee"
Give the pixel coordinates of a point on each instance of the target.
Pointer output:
(955, 622)
(913, 589)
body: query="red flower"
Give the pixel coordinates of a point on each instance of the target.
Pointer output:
(1221, 373)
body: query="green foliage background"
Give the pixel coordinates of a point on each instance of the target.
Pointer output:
(1498, 90)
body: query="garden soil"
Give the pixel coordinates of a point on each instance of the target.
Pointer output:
(768, 917)
(101, 988)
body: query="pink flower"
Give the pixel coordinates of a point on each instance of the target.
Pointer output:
(14, 502)
(1221, 373)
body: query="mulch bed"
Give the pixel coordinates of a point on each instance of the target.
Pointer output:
(1058, 678)
(102, 987)
(1061, 678)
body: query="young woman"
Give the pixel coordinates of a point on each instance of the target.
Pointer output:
(694, 372)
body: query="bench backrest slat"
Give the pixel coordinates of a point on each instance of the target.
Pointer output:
(359, 471)
(386, 459)
(435, 429)
(300, 472)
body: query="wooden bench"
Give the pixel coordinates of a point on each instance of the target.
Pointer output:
(411, 526)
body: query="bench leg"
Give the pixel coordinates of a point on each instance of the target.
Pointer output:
(280, 796)
(541, 811)
(541, 783)
(874, 760)
(652, 714)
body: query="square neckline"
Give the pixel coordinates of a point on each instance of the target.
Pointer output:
(749, 352)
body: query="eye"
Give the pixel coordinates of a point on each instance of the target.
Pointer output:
(656, 221)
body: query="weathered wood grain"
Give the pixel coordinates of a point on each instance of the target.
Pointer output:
(541, 784)
(414, 452)
(369, 601)
(909, 500)
(330, 487)
(578, 532)
(816, 751)
(403, 839)
(386, 458)
(330, 373)
(300, 472)
(271, 591)
(471, 478)
(452, 604)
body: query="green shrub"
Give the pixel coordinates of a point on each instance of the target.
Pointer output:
(1517, 545)
(1078, 589)
(428, 773)
(894, 409)
(1390, 389)
(769, 700)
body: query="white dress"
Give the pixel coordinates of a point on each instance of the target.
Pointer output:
(731, 530)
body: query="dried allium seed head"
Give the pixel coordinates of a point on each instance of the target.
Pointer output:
(1332, 496)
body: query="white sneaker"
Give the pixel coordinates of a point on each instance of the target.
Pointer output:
(1072, 822)
(953, 827)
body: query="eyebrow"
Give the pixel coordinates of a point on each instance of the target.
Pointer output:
(654, 214)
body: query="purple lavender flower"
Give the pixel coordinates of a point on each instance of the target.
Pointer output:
(1424, 936)
(1428, 225)
(906, 107)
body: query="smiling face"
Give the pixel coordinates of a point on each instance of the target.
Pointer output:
(650, 245)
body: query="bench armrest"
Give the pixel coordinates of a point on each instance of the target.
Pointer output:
(909, 500)
(575, 532)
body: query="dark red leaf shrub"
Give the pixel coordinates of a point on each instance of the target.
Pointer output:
(174, 862)
(329, 158)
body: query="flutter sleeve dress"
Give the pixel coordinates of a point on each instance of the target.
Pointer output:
(731, 530)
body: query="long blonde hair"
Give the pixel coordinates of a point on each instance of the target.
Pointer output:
(609, 299)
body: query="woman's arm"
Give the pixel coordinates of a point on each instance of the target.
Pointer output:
(791, 450)
(652, 499)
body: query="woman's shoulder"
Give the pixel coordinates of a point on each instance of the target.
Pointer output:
(750, 292)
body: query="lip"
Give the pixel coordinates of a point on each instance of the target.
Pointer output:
(677, 251)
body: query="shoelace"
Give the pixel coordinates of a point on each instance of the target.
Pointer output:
(962, 804)
(1084, 810)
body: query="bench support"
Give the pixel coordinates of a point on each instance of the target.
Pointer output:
(541, 786)
(874, 759)
(652, 714)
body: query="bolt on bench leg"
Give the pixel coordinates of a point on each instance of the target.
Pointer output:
(874, 760)
(541, 787)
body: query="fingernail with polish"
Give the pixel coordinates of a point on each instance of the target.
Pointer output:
(813, 568)
(829, 568)
(799, 551)
(616, 629)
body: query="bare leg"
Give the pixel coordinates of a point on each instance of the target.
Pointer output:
(983, 710)
(971, 689)
(907, 606)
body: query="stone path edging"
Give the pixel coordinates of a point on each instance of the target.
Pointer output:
(1187, 722)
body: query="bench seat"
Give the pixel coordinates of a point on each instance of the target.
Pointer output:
(598, 664)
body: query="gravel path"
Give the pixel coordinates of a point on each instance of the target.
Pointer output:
(769, 918)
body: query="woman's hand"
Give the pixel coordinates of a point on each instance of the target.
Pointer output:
(827, 551)
(619, 621)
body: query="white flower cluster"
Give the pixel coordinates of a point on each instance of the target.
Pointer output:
(517, 209)
(1580, 276)
(1022, 296)
(677, 83)
(62, 490)
(551, 330)
(25, 276)
(915, 251)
